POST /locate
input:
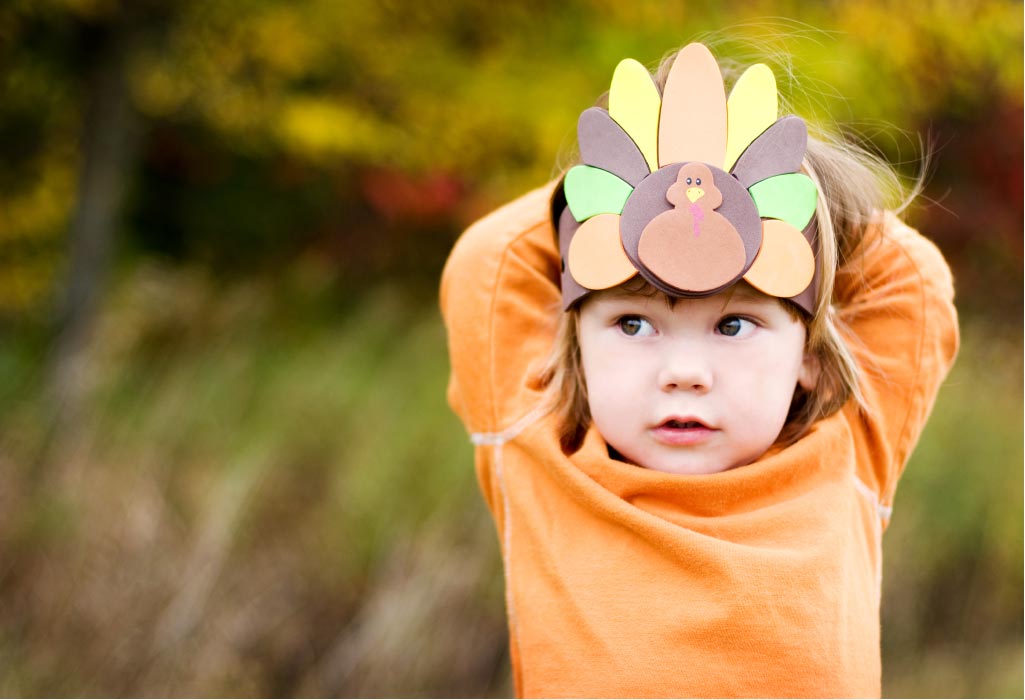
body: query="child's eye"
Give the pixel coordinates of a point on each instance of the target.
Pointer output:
(735, 326)
(635, 326)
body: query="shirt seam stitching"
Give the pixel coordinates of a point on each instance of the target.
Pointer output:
(884, 512)
(501, 437)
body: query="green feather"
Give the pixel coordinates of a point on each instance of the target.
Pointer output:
(789, 198)
(591, 191)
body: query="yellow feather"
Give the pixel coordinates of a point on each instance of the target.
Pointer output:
(750, 110)
(634, 103)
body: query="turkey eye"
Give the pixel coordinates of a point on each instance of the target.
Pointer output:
(698, 181)
(688, 181)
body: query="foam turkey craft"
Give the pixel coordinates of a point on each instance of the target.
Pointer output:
(690, 190)
(691, 241)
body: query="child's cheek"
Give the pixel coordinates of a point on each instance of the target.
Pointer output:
(766, 387)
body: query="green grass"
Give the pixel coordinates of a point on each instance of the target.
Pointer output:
(952, 605)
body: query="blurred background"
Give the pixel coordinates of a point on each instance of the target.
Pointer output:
(226, 462)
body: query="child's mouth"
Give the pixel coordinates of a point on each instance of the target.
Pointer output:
(683, 424)
(687, 431)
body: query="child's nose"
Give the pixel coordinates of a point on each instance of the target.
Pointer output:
(685, 371)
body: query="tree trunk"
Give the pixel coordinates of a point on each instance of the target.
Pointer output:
(108, 152)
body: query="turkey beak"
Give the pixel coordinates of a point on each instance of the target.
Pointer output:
(694, 194)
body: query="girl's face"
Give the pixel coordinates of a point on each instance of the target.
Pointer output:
(698, 388)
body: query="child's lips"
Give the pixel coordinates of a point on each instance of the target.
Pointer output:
(687, 430)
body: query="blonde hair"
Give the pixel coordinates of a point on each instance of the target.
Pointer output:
(854, 187)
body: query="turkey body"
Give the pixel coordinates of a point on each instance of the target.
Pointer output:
(692, 247)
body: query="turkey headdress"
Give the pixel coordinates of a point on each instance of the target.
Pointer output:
(689, 189)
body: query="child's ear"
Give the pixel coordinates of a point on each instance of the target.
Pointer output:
(811, 368)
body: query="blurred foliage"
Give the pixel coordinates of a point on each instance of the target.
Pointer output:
(264, 499)
(370, 132)
(265, 493)
(952, 586)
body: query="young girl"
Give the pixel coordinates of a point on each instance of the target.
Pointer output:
(694, 370)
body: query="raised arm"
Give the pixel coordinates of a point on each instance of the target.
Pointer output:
(500, 302)
(896, 298)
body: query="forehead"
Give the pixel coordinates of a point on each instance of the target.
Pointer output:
(646, 294)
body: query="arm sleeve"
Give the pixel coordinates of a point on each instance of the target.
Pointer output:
(896, 302)
(500, 303)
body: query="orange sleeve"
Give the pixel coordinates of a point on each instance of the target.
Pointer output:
(896, 300)
(500, 301)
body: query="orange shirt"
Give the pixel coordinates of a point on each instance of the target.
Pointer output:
(622, 581)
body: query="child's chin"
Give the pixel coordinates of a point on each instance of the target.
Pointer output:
(691, 466)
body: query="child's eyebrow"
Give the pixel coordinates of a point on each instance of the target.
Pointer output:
(620, 294)
(747, 294)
